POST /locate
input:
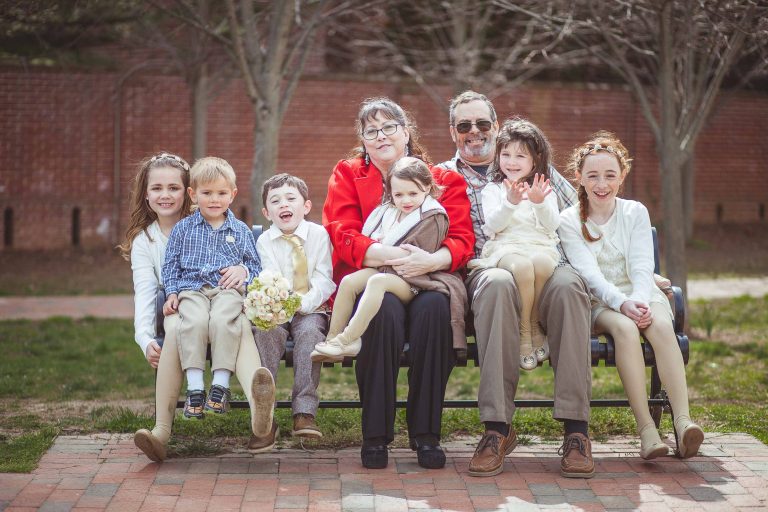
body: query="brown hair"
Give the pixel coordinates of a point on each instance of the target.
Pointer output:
(391, 110)
(532, 139)
(414, 170)
(602, 141)
(279, 180)
(141, 214)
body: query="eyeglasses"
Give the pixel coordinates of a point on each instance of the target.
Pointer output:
(466, 126)
(387, 129)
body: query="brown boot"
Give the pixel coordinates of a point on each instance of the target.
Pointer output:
(259, 444)
(577, 457)
(488, 459)
(304, 426)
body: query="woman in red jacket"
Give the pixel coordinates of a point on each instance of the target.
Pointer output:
(355, 188)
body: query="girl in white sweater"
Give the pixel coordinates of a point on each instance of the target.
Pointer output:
(608, 241)
(159, 200)
(521, 218)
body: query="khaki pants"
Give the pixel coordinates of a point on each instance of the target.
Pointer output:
(170, 376)
(209, 315)
(563, 313)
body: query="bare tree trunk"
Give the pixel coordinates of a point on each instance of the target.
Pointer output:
(671, 159)
(266, 135)
(199, 111)
(689, 185)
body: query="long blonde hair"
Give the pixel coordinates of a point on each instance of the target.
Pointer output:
(602, 141)
(141, 214)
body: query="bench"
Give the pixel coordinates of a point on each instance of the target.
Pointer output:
(602, 349)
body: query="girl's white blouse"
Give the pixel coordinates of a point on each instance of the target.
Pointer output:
(631, 236)
(147, 255)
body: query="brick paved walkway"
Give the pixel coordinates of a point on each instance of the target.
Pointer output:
(106, 472)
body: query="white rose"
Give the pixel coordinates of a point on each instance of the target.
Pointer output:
(267, 277)
(283, 294)
(281, 316)
(276, 307)
(251, 313)
(283, 283)
(271, 291)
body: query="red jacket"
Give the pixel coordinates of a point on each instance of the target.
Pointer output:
(355, 189)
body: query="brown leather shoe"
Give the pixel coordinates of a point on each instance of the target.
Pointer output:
(304, 426)
(577, 457)
(488, 459)
(259, 444)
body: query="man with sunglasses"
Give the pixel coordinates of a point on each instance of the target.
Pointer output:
(495, 301)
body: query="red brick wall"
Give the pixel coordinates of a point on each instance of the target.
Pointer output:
(57, 142)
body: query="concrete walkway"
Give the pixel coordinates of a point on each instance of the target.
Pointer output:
(121, 306)
(106, 472)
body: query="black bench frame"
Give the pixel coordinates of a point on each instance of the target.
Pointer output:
(602, 349)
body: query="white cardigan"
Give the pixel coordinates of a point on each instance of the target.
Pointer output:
(146, 263)
(632, 237)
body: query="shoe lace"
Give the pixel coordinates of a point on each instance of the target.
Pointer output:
(570, 443)
(489, 440)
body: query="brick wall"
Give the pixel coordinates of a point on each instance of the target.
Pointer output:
(57, 143)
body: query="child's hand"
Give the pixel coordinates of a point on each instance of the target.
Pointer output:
(232, 277)
(171, 305)
(638, 312)
(514, 191)
(153, 354)
(539, 190)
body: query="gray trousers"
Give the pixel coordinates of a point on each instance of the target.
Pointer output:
(564, 311)
(306, 331)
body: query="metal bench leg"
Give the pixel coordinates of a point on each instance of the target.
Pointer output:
(656, 392)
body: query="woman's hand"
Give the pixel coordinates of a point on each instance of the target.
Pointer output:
(153, 354)
(419, 261)
(171, 305)
(232, 277)
(514, 191)
(638, 312)
(539, 190)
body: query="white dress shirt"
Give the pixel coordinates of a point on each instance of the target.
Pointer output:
(147, 256)
(276, 255)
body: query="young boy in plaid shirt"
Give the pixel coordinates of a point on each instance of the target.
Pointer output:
(210, 256)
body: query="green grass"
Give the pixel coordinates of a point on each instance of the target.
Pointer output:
(20, 454)
(53, 363)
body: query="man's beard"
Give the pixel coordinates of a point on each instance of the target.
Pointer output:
(477, 152)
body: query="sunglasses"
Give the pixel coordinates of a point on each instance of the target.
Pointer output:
(466, 126)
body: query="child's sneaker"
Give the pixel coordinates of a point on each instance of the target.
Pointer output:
(218, 400)
(193, 407)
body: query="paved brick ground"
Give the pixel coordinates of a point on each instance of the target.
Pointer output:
(106, 472)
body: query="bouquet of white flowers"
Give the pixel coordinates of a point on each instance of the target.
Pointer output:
(270, 301)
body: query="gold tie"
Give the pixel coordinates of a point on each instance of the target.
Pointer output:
(300, 277)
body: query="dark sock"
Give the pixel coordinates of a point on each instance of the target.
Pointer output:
(427, 439)
(576, 426)
(497, 426)
(375, 441)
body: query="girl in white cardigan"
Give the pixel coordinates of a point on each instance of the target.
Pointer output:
(521, 216)
(159, 200)
(608, 241)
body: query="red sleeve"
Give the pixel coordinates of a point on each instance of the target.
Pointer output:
(460, 240)
(343, 218)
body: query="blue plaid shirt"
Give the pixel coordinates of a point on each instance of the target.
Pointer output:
(196, 252)
(566, 196)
